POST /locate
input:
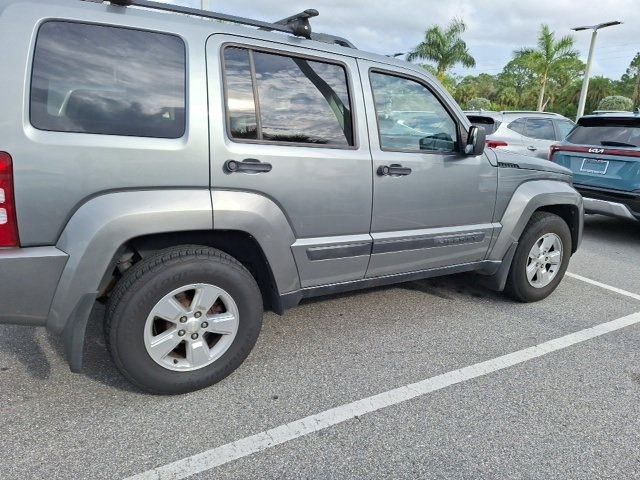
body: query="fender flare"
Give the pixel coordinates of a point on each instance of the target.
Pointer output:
(527, 198)
(99, 227)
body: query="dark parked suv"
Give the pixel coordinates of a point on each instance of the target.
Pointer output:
(190, 173)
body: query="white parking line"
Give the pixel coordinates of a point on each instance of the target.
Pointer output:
(314, 423)
(604, 285)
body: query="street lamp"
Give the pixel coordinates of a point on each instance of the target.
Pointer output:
(206, 4)
(587, 72)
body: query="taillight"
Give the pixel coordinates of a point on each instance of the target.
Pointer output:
(496, 144)
(8, 221)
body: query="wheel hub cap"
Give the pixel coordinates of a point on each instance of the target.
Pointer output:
(544, 261)
(191, 327)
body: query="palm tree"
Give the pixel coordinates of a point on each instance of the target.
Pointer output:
(548, 57)
(445, 48)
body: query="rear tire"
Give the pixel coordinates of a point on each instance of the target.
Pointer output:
(161, 331)
(541, 258)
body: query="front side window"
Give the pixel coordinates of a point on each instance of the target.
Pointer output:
(279, 98)
(540, 129)
(410, 117)
(109, 81)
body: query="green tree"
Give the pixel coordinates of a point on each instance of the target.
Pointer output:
(479, 103)
(616, 102)
(549, 57)
(444, 47)
(631, 80)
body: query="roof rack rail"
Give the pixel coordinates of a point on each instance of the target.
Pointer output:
(531, 111)
(297, 25)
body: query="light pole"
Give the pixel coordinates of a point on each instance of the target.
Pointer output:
(206, 4)
(587, 72)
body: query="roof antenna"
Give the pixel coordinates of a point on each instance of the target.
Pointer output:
(299, 23)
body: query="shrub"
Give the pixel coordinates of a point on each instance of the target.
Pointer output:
(616, 102)
(479, 103)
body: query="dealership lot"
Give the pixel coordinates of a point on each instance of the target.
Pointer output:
(570, 413)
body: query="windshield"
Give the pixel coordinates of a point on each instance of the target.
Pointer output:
(606, 135)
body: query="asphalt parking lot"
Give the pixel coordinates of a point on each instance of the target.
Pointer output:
(568, 413)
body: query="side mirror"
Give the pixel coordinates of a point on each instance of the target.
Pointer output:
(475, 141)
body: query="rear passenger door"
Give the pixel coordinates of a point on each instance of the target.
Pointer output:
(289, 119)
(540, 134)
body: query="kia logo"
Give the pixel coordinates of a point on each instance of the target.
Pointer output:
(596, 150)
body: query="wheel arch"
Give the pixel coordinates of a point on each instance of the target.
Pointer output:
(103, 231)
(553, 196)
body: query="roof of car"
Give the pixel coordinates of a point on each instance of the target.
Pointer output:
(625, 118)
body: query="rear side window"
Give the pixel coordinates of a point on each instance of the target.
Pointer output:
(489, 124)
(564, 127)
(518, 125)
(540, 128)
(109, 81)
(606, 135)
(279, 98)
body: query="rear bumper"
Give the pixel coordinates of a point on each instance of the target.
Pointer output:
(611, 203)
(28, 280)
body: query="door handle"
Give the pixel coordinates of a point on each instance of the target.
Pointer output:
(248, 165)
(531, 148)
(393, 170)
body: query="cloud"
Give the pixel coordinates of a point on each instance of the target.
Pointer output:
(495, 27)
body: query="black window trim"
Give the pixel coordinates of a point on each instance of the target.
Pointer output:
(285, 53)
(124, 27)
(439, 98)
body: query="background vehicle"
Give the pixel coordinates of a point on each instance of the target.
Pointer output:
(527, 133)
(296, 166)
(604, 154)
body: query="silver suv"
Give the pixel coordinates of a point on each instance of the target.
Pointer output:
(190, 173)
(528, 133)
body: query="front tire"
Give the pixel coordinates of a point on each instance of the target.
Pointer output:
(183, 319)
(541, 258)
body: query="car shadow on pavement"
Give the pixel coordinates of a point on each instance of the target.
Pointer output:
(97, 364)
(22, 344)
(611, 229)
(445, 287)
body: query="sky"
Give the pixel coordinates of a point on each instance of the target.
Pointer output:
(495, 28)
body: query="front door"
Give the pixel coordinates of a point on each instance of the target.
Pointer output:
(432, 205)
(284, 125)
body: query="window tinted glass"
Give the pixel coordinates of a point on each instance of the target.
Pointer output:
(240, 101)
(489, 124)
(606, 135)
(410, 117)
(517, 125)
(540, 128)
(564, 127)
(302, 101)
(106, 80)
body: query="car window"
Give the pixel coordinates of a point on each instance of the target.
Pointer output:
(107, 80)
(540, 129)
(606, 135)
(410, 117)
(518, 125)
(299, 100)
(564, 127)
(489, 124)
